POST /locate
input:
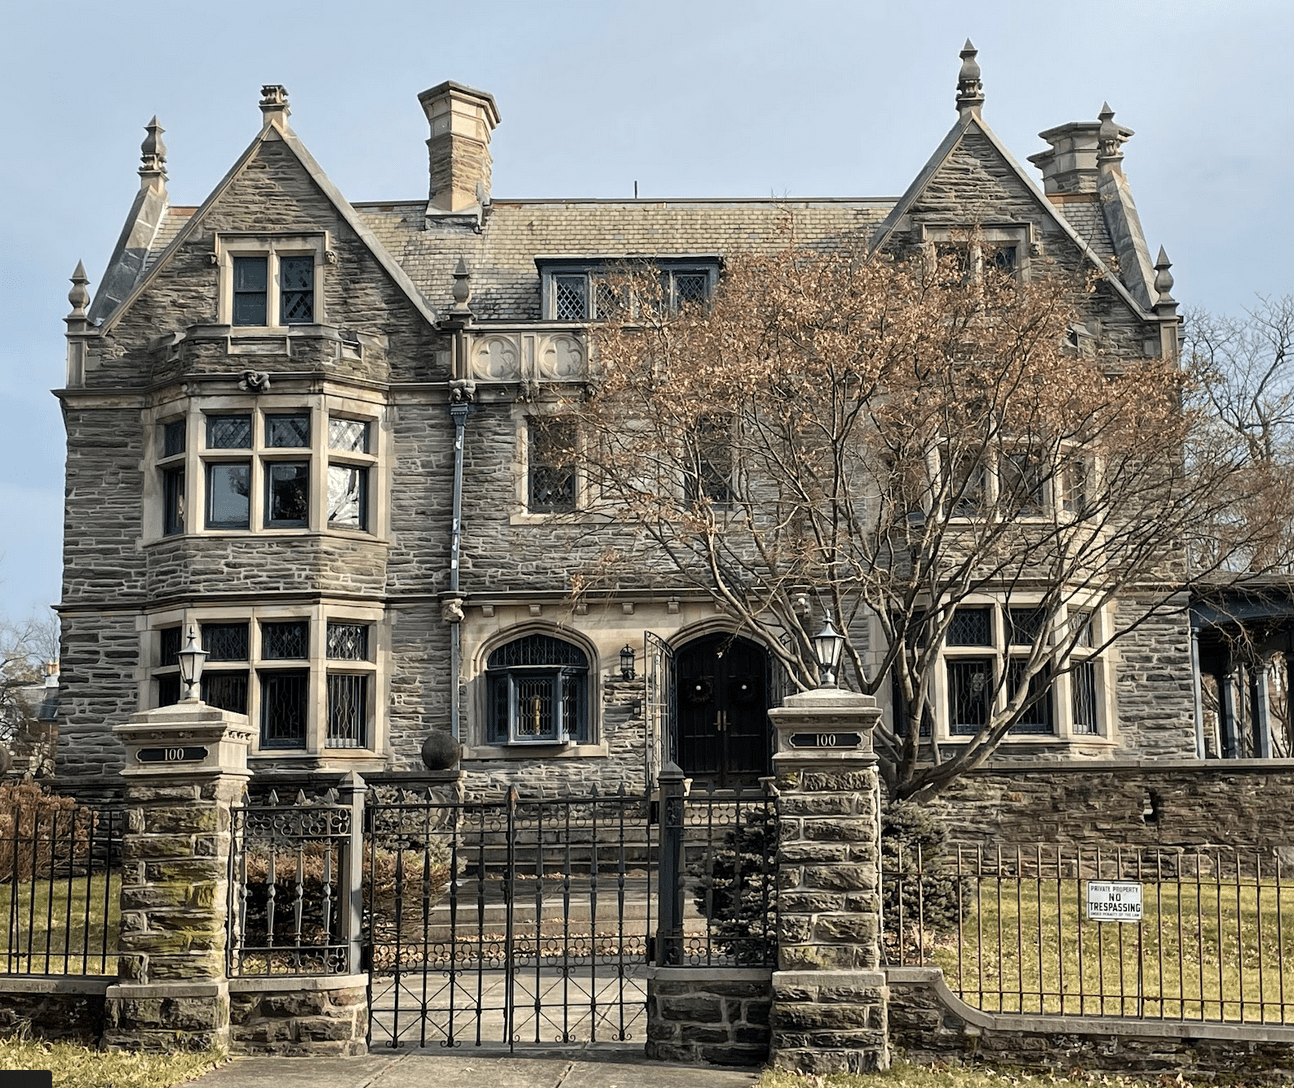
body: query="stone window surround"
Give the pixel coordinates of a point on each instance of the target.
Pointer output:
(319, 665)
(521, 513)
(475, 657)
(273, 246)
(196, 456)
(1023, 236)
(550, 268)
(1106, 671)
(1058, 492)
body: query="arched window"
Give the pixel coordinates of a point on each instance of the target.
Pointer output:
(537, 689)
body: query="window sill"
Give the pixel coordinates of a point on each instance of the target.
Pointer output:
(530, 751)
(243, 534)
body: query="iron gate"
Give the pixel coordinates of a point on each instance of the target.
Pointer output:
(508, 921)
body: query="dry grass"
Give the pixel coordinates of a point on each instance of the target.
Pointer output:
(902, 1075)
(76, 1066)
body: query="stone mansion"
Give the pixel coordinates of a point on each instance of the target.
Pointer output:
(312, 430)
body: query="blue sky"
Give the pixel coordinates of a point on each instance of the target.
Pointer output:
(699, 98)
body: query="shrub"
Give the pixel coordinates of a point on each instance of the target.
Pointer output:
(919, 881)
(40, 832)
(737, 890)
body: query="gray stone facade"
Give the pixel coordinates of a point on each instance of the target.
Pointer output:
(385, 342)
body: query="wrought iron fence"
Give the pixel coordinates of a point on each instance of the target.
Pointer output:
(1204, 934)
(508, 920)
(718, 876)
(294, 887)
(60, 884)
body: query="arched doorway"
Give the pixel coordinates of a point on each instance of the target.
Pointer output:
(722, 720)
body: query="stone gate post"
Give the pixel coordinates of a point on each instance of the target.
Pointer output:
(186, 766)
(829, 992)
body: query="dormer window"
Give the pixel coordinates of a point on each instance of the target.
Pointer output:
(269, 281)
(969, 252)
(591, 290)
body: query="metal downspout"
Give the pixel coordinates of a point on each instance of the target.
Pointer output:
(458, 412)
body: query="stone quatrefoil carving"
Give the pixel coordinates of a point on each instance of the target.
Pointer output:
(502, 357)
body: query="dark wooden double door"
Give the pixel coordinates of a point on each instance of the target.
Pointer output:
(722, 715)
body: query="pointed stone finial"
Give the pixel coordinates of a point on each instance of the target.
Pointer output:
(970, 88)
(152, 157)
(79, 297)
(1163, 278)
(1110, 136)
(274, 103)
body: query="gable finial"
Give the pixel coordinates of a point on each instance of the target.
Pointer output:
(79, 297)
(152, 156)
(1163, 279)
(274, 103)
(1110, 136)
(970, 88)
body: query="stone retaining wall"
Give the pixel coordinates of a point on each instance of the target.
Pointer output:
(928, 1023)
(1126, 802)
(717, 1015)
(299, 1016)
(59, 1009)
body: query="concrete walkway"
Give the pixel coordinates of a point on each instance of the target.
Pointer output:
(596, 1066)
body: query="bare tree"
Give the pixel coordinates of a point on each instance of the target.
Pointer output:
(25, 646)
(899, 440)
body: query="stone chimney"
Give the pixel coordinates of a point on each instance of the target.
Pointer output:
(1072, 164)
(461, 121)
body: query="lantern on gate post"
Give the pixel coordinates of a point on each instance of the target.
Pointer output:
(191, 659)
(828, 645)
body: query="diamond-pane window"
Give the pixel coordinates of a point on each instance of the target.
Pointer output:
(348, 641)
(225, 641)
(173, 437)
(347, 711)
(1002, 259)
(285, 641)
(296, 290)
(169, 646)
(690, 288)
(551, 465)
(1082, 623)
(537, 692)
(570, 297)
(225, 691)
(971, 627)
(970, 693)
(348, 435)
(1024, 625)
(537, 650)
(229, 432)
(283, 709)
(288, 431)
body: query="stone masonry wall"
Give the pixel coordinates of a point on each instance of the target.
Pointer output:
(314, 1017)
(1184, 803)
(714, 1015)
(100, 652)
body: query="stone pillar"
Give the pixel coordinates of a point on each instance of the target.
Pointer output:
(829, 992)
(186, 766)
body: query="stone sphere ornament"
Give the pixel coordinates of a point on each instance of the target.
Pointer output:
(440, 751)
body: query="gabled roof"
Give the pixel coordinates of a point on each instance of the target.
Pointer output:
(969, 121)
(275, 129)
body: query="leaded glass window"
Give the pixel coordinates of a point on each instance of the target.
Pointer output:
(173, 434)
(348, 641)
(288, 430)
(347, 497)
(1082, 681)
(537, 692)
(709, 478)
(225, 690)
(168, 690)
(173, 500)
(690, 289)
(296, 290)
(551, 465)
(971, 627)
(283, 708)
(1082, 623)
(570, 297)
(229, 432)
(347, 711)
(1024, 626)
(169, 646)
(288, 640)
(1021, 484)
(225, 641)
(1036, 717)
(348, 435)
